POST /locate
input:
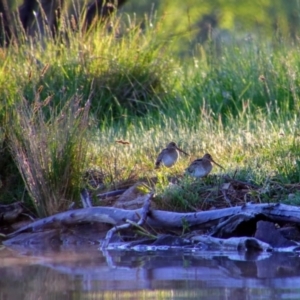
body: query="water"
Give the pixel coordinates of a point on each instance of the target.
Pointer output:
(90, 273)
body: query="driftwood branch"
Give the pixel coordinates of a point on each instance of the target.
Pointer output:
(144, 213)
(85, 199)
(205, 220)
(233, 244)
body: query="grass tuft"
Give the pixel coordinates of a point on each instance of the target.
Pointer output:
(49, 149)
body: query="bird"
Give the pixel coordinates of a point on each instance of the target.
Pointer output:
(201, 167)
(168, 156)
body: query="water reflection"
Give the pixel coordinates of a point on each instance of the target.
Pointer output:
(91, 274)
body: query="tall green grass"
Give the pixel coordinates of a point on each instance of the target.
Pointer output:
(240, 104)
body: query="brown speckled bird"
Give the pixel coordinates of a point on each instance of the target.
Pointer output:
(168, 156)
(201, 167)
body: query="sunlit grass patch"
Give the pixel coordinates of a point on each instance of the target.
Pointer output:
(254, 150)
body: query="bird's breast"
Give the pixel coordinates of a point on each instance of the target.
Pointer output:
(169, 160)
(200, 170)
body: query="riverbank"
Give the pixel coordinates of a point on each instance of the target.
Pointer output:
(95, 112)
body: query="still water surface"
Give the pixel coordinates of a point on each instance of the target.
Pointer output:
(93, 274)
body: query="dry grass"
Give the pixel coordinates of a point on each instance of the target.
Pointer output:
(49, 148)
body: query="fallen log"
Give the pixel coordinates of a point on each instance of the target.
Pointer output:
(204, 220)
(195, 244)
(128, 224)
(233, 244)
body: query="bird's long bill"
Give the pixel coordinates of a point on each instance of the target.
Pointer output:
(182, 151)
(217, 164)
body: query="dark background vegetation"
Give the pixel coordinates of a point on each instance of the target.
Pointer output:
(264, 17)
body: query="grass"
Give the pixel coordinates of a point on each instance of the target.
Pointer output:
(241, 106)
(254, 150)
(49, 151)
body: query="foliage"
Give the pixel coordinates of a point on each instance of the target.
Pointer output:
(240, 103)
(129, 71)
(220, 21)
(243, 80)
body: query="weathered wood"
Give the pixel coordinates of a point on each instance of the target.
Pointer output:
(165, 219)
(232, 244)
(143, 218)
(85, 199)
